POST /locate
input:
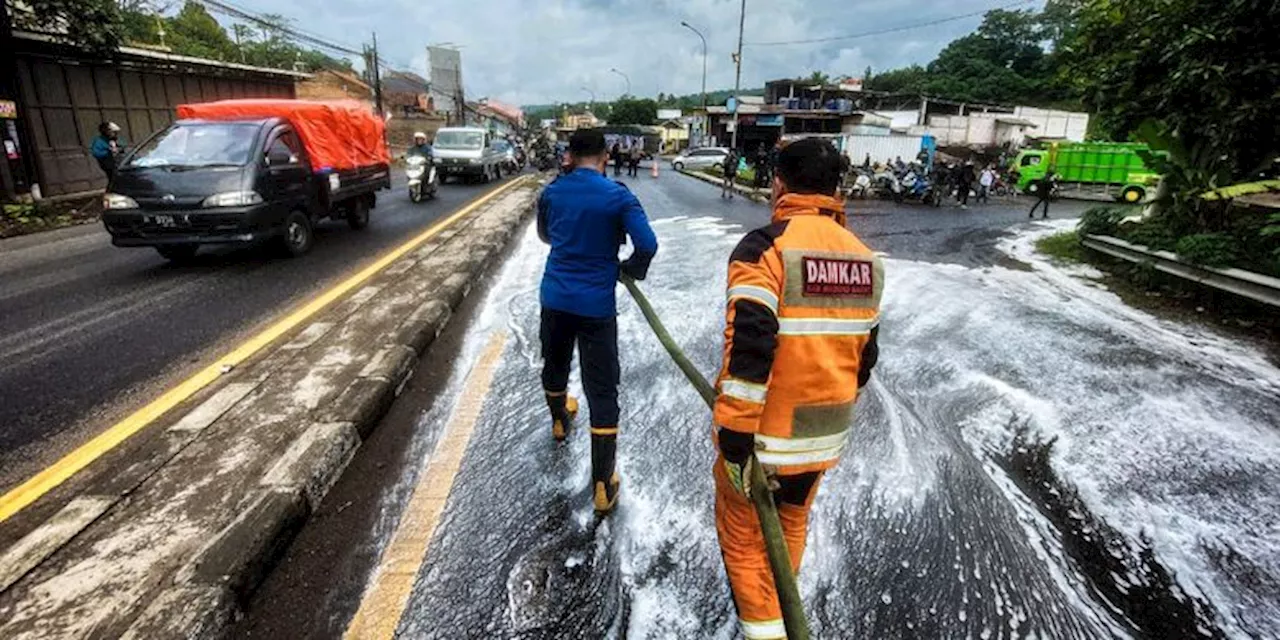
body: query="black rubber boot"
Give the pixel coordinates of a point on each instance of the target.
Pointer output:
(564, 408)
(604, 477)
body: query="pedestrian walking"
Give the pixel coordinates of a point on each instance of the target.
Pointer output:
(800, 342)
(106, 148)
(1044, 191)
(985, 182)
(637, 153)
(964, 183)
(616, 154)
(761, 160)
(730, 168)
(581, 216)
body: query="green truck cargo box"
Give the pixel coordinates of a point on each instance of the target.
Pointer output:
(1114, 167)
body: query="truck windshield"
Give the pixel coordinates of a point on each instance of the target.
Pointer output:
(198, 145)
(459, 140)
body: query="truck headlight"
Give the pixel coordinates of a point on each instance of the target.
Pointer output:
(232, 199)
(117, 201)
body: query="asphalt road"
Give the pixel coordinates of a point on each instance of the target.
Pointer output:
(89, 331)
(1033, 458)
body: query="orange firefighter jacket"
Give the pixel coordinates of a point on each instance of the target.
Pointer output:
(800, 338)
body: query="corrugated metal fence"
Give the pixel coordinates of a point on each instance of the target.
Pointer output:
(64, 101)
(882, 148)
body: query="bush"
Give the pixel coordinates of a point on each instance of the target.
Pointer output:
(1209, 249)
(1153, 234)
(1104, 221)
(1063, 246)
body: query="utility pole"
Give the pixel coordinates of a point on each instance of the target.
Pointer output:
(737, 76)
(377, 80)
(461, 98)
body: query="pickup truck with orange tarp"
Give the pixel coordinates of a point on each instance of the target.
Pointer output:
(248, 171)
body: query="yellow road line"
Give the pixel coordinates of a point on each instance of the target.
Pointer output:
(384, 602)
(57, 473)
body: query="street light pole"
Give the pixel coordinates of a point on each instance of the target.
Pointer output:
(704, 66)
(591, 106)
(737, 76)
(690, 27)
(624, 77)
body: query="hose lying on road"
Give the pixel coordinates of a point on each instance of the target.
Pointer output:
(784, 578)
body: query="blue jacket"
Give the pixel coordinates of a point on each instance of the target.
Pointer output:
(101, 148)
(584, 216)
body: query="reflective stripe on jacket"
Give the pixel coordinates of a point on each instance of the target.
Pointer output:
(800, 336)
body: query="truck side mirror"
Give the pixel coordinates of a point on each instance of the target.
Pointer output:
(280, 158)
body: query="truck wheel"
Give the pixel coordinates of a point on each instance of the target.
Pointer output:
(298, 235)
(1133, 194)
(678, 166)
(178, 253)
(358, 214)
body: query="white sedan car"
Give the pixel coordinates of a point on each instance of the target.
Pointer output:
(700, 158)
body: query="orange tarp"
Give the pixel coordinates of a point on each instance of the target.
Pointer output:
(337, 135)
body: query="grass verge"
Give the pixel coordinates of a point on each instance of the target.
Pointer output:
(1062, 247)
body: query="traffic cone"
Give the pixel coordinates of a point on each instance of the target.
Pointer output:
(657, 160)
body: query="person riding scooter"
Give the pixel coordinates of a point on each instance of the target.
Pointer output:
(420, 169)
(420, 146)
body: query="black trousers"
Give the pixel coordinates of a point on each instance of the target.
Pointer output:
(1041, 201)
(597, 341)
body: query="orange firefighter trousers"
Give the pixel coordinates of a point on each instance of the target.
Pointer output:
(742, 546)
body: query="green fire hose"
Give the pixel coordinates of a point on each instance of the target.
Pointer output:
(784, 578)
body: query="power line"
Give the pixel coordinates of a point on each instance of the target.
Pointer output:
(880, 32)
(242, 14)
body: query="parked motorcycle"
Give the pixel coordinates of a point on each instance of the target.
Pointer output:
(423, 178)
(887, 186)
(918, 187)
(857, 184)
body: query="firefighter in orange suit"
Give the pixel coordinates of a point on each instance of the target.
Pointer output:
(800, 341)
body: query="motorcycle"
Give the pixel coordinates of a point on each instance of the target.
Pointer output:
(887, 186)
(917, 186)
(423, 179)
(857, 184)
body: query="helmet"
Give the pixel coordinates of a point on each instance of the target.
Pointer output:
(419, 134)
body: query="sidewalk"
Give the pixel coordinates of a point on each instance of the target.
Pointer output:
(755, 195)
(173, 544)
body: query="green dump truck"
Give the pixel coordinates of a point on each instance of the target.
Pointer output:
(1111, 168)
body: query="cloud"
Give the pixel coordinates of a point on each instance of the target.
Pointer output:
(540, 51)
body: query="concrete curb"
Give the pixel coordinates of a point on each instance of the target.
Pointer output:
(755, 195)
(239, 473)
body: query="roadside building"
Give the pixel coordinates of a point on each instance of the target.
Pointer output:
(333, 84)
(406, 94)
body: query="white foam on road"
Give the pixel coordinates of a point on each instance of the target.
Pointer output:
(1169, 432)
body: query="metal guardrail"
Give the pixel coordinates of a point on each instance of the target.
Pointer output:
(1254, 286)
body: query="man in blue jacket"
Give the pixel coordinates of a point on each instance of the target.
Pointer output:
(586, 217)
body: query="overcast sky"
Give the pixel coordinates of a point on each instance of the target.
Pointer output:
(540, 51)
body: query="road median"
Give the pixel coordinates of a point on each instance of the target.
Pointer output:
(178, 548)
(755, 195)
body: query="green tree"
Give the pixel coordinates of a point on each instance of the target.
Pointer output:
(93, 24)
(639, 111)
(818, 77)
(1206, 71)
(910, 79)
(194, 32)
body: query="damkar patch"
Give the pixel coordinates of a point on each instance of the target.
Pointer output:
(836, 277)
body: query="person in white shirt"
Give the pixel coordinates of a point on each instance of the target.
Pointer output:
(985, 181)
